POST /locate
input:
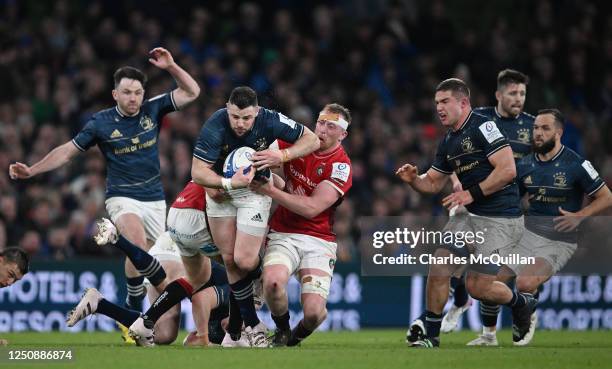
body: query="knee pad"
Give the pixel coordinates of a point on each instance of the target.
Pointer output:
(316, 284)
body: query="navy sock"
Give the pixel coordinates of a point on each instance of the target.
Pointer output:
(282, 321)
(459, 291)
(135, 293)
(517, 301)
(243, 291)
(488, 314)
(117, 313)
(170, 296)
(234, 326)
(422, 317)
(433, 322)
(146, 264)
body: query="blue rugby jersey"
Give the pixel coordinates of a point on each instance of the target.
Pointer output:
(129, 145)
(217, 139)
(518, 130)
(466, 152)
(559, 182)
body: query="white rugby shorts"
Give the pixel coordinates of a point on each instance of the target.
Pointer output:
(151, 213)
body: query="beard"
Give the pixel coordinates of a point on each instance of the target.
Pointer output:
(545, 148)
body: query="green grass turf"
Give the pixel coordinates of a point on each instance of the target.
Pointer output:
(378, 349)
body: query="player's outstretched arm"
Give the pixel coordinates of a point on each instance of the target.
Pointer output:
(323, 196)
(188, 89)
(54, 159)
(430, 182)
(272, 158)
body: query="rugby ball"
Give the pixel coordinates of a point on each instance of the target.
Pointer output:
(241, 157)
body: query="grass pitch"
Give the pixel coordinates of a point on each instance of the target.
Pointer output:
(376, 349)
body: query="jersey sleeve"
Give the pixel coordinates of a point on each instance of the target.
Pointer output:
(440, 164)
(87, 137)
(208, 146)
(521, 171)
(588, 178)
(162, 104)
(491, 138)
(340, 176)
(285, 128)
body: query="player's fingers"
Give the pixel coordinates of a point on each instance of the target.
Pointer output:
(401, 169)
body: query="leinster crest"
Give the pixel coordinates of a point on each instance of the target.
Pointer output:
(559, 179)
(146, 122)
(523, 135)
(467, 145)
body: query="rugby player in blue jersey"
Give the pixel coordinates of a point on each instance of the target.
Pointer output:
(555, 180)
(516, 125)
(237, 216)
(127, 135)
(475, 149)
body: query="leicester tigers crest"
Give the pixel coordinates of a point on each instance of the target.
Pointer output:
(146, 122)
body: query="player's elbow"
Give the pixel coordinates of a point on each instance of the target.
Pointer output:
(194, 93)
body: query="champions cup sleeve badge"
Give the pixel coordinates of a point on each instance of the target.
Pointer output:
(146, 122)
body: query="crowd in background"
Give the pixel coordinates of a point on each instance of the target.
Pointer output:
(381, 59)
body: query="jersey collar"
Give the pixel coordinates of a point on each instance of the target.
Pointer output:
(537, 158)
(501, 117)
(123, 115)
(464, 122)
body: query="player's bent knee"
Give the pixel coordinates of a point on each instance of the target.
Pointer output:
(246, 262)
(475, 287)
(527, 284)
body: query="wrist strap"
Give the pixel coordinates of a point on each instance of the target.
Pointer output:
(476, 192)
(285, 153)
(226, 183)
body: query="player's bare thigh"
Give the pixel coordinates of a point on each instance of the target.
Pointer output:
(130, 226)
(223, 231)
(197, 269)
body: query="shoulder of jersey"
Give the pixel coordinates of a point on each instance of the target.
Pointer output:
(527, 115)
(486, 111)
(570, 155)
(479, 118)
(218, 116)
(106, 114)
(266, 114)
(343, 155)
